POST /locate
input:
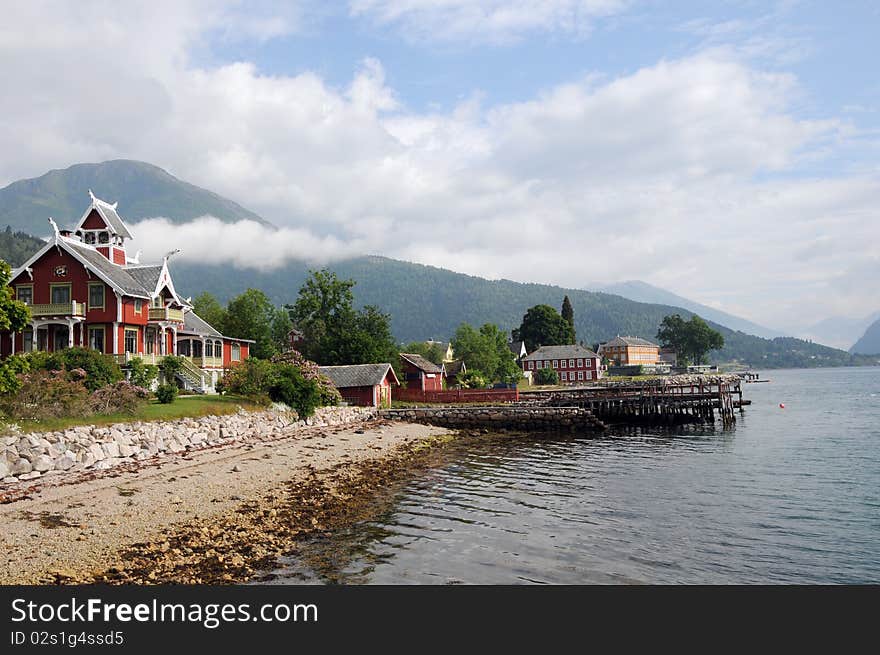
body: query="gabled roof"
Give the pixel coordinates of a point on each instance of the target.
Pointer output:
(108, 213)
(560, 352)
(357, 375)
(195, 324)
(421, 363)
(147, 276)
(455, 367)
(517, 347)
(629, 341)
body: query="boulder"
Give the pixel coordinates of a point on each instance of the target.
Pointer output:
(111, 449)
(65, 462)
(21, 467)
(44, 463)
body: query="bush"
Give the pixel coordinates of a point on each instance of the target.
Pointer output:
(47, 394)
(252, 378)
(120, 398)
(546, 376)
(472, 380)
(142, 375)
(171, 366)
(289, 386)
(166, 393)
(10, 370)
(100, 369)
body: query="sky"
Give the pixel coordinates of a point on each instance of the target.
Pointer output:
(725, 151)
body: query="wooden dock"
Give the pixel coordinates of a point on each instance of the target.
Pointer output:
(666, 401)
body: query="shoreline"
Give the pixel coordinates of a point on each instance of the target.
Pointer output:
(208, 516)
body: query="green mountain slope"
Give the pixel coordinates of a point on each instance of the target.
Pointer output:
(143, 191)
(427, 302)
(17, 247)
(869, 344)
(644, 292)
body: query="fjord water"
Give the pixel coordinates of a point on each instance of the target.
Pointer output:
(788, 496)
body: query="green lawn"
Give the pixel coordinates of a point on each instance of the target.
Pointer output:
(183, 406)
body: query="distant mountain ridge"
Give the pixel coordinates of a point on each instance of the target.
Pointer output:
(143, 190)
(423, 301)
(839, 331)
(869, 343)
(644, 292)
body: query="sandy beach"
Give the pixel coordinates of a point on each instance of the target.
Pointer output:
(203, 516)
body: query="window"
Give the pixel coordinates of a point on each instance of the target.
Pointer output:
(555, 363)
(157, 302)
(25, 294)
(562, 363)
(209, 349)
(236, 354)
(131, 337)
(546, 363)
(570, 363)
(103, 237)
(580, 363)
(564, 376)
(60, 293)
(218, 349)
(96, 338)
(580, 375)
(96, 295)
(27, 338)
(89, 237)
(138, 305)
(149, 340)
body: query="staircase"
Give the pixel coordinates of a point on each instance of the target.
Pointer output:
(191, 376)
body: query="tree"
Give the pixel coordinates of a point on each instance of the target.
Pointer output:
(209, 309)
(485, 350)
(546, 376)
(251, 315)
(568, 315)
(543, 326)
(14, 314)
(333, 332)
(692, 340)
(430, 351)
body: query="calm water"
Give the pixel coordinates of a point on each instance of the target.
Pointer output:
(788, 496)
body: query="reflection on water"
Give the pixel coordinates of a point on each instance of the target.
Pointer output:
(786, 496)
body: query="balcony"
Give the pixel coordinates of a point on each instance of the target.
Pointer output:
(166, 314)
(73, 309)
(207, 362)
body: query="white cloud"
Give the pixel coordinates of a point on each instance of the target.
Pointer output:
(485, 21)
(686, 173)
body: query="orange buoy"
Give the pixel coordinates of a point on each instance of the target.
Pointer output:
(781, 405)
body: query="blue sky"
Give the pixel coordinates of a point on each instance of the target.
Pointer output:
(564, 141)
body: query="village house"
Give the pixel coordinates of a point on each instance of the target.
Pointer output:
(454, 370)
(366, 385)
(572, 363)
(83, 289)
(630, 351)
(419, 373)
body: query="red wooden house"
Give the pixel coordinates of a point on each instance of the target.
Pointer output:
(366, 385)
(419, 373)
(84, 290)
(573, 364)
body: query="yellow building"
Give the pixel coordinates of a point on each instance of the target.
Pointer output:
(630, 351)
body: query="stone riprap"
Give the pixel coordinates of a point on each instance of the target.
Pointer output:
(90, 447)
(508, 417)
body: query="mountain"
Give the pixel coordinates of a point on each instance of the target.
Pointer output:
(423, 301)
(146, 191)
(869, 344)
(644, 292)
(840, 331)
(16, 247)
(427, 302)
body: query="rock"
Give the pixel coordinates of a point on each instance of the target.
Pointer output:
(97, 452)
(127, 450)
(30, 476)
(65, 462)
(175, 500)
(111, 448)
(44, 463)
(4, 469)
(236, 469)
(9, 479)
(21, 467)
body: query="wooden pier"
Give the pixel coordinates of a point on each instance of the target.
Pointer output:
(665, 401)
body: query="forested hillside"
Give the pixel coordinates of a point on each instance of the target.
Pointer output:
(427, 302)
(17, 247)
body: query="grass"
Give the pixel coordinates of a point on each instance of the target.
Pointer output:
(183, 406)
